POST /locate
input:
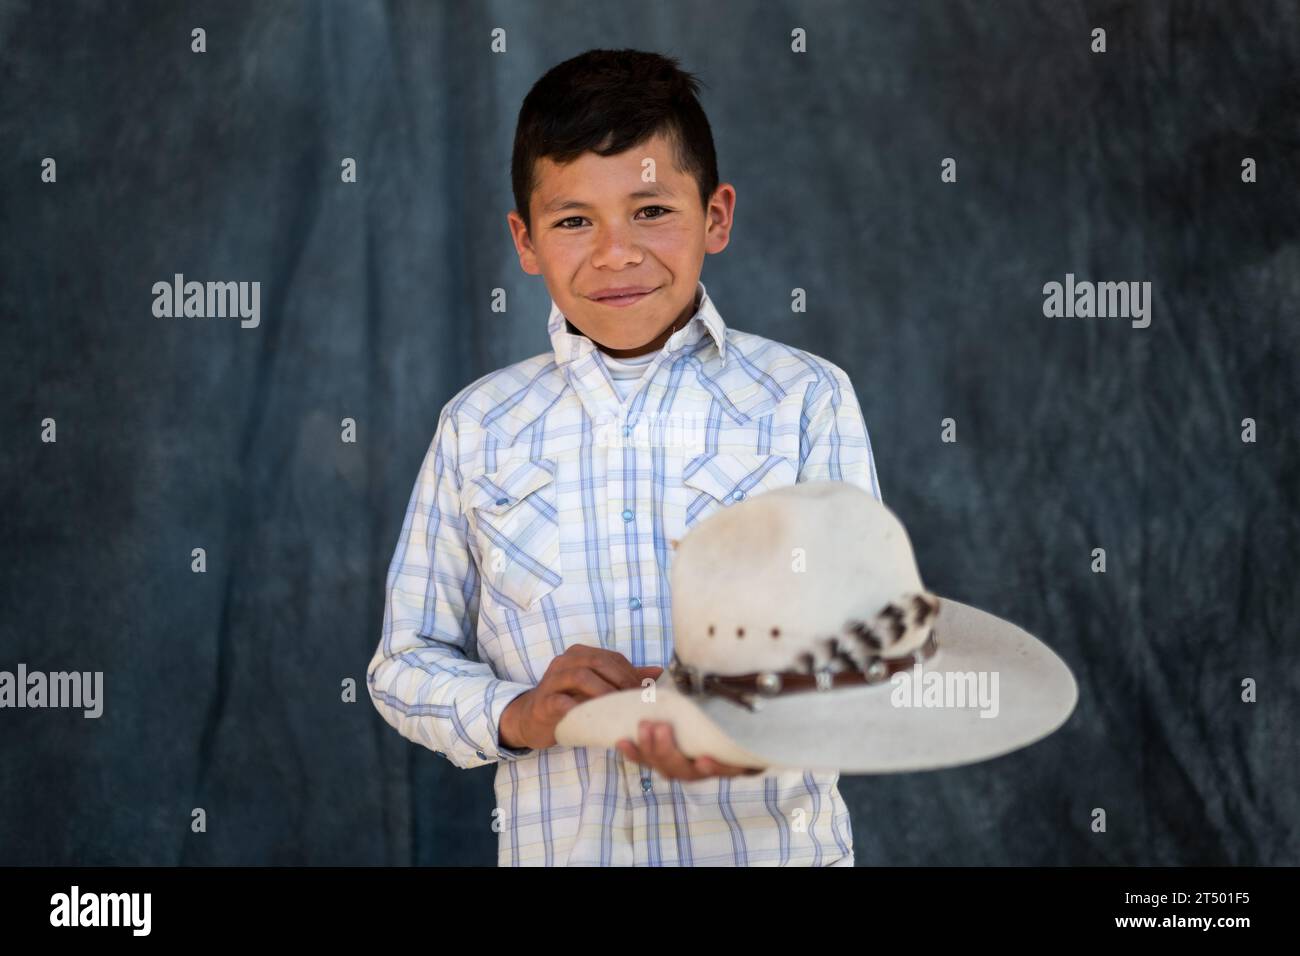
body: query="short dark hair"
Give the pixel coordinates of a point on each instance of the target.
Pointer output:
(608, 101)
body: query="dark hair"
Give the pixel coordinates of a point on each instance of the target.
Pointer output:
(608, 101)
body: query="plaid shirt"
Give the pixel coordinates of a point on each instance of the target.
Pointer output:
(544, 515)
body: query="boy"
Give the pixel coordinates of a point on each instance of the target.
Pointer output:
(532, 569)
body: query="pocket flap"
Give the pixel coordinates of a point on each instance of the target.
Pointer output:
(501, 490)
(731, 476)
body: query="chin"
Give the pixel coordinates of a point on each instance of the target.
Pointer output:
(619, 342)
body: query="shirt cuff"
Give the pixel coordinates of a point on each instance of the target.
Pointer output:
(506, 692)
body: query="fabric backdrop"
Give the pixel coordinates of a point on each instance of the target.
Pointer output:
(223, 689)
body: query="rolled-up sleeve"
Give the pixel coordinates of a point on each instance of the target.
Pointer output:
(833, 442)
(421, 679)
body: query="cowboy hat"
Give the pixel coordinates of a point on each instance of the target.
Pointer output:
(804, 639)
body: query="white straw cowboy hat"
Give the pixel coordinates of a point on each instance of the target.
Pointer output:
(804, 639)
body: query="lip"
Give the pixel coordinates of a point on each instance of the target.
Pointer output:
(622, 298)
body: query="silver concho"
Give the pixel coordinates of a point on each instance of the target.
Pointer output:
(769, 683)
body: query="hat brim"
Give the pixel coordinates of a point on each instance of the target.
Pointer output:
(885, 728)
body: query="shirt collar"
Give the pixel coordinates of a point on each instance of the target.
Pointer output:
(570, 346)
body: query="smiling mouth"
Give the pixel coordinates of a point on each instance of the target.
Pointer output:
(621, 301)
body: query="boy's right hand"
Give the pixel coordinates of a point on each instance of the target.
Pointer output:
(580, 673)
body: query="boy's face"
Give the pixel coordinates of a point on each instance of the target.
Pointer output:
(599, 226)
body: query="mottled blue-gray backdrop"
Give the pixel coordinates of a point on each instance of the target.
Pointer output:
(223, 689)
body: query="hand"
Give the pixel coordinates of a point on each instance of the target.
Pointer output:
(580, 673)
(658, 750)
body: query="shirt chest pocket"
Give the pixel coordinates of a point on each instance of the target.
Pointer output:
(515, 518)
(715, 480)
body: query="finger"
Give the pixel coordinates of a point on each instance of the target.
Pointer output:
(621, 665)
(671, 761)
(630, 750)
(581, 682)
(610, 665)
(642, 754)
(712, 768)
(645, 744)
(616, 668)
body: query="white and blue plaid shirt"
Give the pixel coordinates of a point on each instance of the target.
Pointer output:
(544, 515)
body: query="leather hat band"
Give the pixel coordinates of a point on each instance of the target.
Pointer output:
(749, 690)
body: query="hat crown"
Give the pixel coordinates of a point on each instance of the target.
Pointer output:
(812, 575)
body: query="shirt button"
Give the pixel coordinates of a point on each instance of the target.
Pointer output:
(627, 514)
(502, 501)
(627, 429)
(646, 785)
(634, 603)
(481, 755)
(737, 495)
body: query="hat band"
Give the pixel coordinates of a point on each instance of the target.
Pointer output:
(749, 690)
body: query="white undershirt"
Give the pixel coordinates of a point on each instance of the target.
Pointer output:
(626, 372)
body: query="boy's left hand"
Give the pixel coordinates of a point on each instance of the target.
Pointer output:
(658, 750)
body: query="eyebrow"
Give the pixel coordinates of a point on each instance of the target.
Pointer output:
(556, 205)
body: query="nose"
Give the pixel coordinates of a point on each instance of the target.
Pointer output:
(615, 247)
